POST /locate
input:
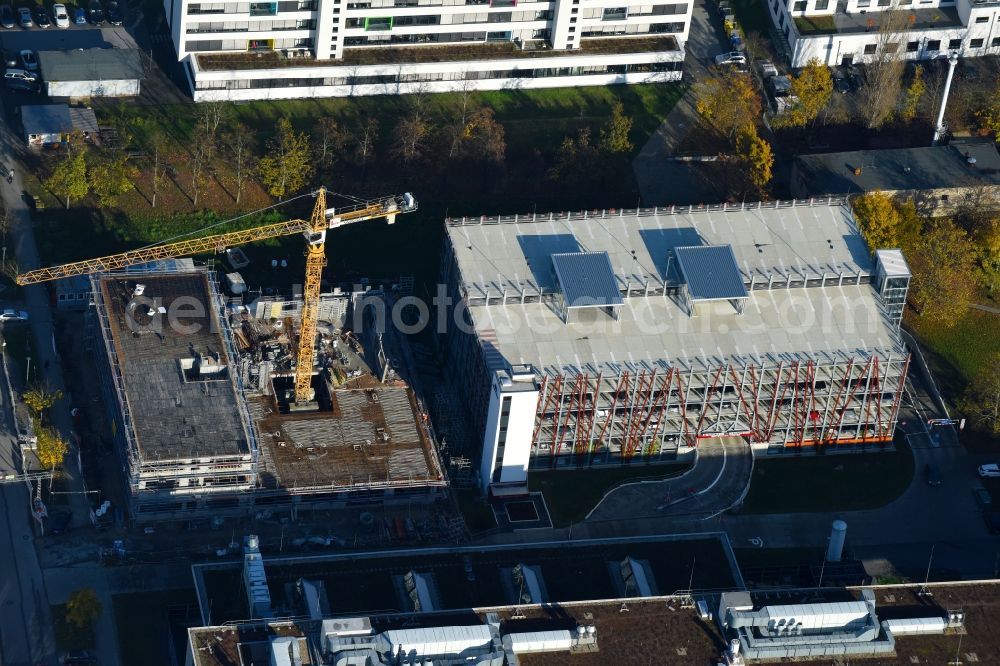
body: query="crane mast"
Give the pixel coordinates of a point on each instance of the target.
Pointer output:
(314, 230)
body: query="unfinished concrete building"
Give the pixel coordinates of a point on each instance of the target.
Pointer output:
(195, 390)
(622, 336)
(179, 422)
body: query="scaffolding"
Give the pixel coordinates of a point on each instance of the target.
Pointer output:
(787, 400)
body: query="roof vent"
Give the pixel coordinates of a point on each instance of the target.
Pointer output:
(970, 160)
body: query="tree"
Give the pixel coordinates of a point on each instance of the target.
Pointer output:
(367, 134)
(39, 400)
(728, 100)
(576, 159)
(914, 93)
(238, 140)
(756, 156)
(883, 72)
(287, 166)
(201, 152)
(813, 88)
(109, 179)
(210, 117)
(83, 607)
(158, 147)
(943, 265)
(410, 137)
(614, 135)
(51, 447)
(484, 138)
(69, 178)
(989, 115)
(982, 397)
(328, 138)
(878, 220)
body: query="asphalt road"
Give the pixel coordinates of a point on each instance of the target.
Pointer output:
(32, 613)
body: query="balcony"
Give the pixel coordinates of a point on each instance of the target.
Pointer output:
(842, 23)
(391, 55)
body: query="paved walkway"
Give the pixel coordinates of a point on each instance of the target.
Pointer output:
(44, 357)
(985, 308)
(662, 181)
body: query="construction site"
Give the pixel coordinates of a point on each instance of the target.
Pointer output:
(220, 407)
(611, 337)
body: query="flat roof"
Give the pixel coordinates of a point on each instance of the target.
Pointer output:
(503, 270)
(586, 279)
(46, 118)
(925, 168)
(710, 272)
(94, 64)
(372, 436)
(173, 417)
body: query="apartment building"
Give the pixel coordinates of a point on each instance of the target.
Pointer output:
(844, 32)
(238, 50)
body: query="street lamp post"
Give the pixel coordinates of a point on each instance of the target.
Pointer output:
(939, 126)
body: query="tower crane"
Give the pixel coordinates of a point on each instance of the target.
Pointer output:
(314, 229)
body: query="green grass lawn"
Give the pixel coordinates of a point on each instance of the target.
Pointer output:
(959, 351)
(815, 25)
(570, 495)
(69, 637)
(831, 482)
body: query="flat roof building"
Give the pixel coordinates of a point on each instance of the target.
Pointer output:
(767, 321)
(179, 421)
(318, 48)
(936, 178)
(96, 72)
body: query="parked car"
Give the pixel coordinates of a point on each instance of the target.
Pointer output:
(42, 18)
(932, 474)
(990, 469)
(20, 75)
(114, 13)
(726, 12)
(767, 69)
(840, 84)
(95, 14)
(24, 18)
(60, 15)
(983, 497)
(7, 16)
(80, 16)
(731, 58)
(22, 85)
(13, 315)
(30, 60)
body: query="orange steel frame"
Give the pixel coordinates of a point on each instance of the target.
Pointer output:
(641, 402)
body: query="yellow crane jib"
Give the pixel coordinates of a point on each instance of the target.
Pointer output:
(314, 229)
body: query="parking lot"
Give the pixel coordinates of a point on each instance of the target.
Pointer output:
(74, 37)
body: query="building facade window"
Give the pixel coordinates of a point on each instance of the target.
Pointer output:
(976, 43)
(822, 5)
(912, 47)
(799, 6)
(870, 49)
(954, 44)
(982, 19)
(933, 44)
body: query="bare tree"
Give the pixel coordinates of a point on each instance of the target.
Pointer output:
(238, 140)
(158, 149)
(458, 128)
(409, 137)
(367, 135)
(883, 77)
(201, 155)
(328, 138)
